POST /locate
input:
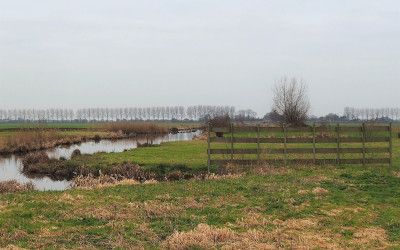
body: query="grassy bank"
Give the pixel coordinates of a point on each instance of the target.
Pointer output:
(316, 207)
(188, 157)
(25, 137)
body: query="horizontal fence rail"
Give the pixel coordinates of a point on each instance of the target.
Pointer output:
(312, 144)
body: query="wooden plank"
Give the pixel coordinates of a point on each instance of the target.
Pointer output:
(258, 142)
(338, 143)
(350, 129)
(209, 148)
(390, 145)
(245, 129)
(271, 129)
(378, 139)
(302, 161)
(299, 129)
(314, 148)
(285, 143)
(363, 143)
(301, 140)
(232, 141)
(235, 151)
(220, 130)
(325, 140)
(378, 128)
(300, 151)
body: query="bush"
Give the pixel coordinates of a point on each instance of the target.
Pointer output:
(76, 153)
(97, 138)
(174, 130)
(220, 121)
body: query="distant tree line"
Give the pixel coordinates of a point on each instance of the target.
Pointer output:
(368, 114)
(361, 114)
(191, 113)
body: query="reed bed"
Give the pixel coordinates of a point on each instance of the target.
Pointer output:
(129, 128)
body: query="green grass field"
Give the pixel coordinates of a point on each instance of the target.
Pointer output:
(269, 207)
(315, 207)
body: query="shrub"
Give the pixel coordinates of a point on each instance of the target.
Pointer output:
(75, 153)
(174, 130)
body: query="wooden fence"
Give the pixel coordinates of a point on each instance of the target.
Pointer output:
(340, 144)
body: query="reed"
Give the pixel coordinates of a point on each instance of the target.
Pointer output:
(129, 128)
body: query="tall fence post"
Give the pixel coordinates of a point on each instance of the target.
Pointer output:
(231, 141)
(338, 143)
(285, 143)
(363, 143)
(390, 146)
(314, 149)
(209, 148)
(258, 143)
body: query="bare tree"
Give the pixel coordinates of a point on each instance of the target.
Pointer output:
(291, 101)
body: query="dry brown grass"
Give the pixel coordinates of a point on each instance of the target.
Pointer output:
(35, 158)
(203, 236)
(25, 141)
(320, 191)
(135, 128)
(374, 237)
(102, 181)
(157, 209)
(13, 187)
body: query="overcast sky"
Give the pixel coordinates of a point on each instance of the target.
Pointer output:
(88, 53)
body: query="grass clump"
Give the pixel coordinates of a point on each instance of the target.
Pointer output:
(13, 187)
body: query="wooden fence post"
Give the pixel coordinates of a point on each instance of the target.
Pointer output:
(338, 143)
(258, 143)
(314, 149)
(209, 148)
(285, 143)
(363, 142)
(231, 141)
(390, 146)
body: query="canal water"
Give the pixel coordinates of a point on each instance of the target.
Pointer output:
(11, 166)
